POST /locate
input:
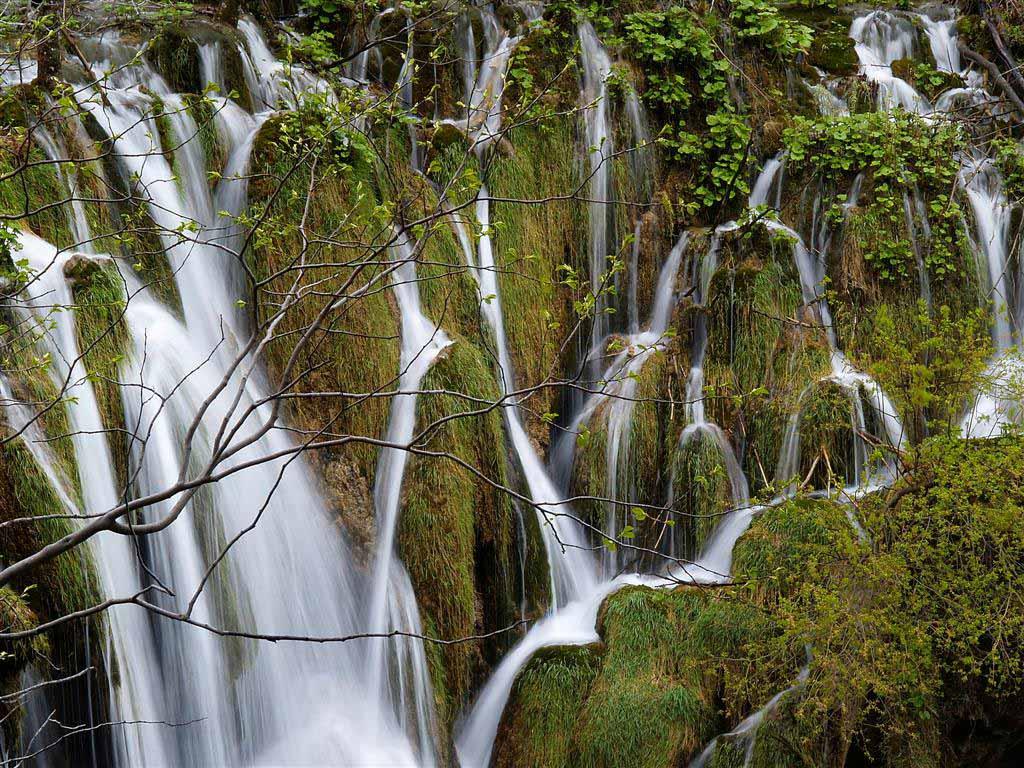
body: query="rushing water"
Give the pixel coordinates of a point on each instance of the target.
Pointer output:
(191, 394)
(600, 150)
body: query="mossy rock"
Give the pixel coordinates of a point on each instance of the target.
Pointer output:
(827, 440)
(646, 697)
(531, 242)
(701, 491)
(459, 531)
(537, 727)
(104, 343)
(176, 56)
(789, 541)
(356, 350)
(833, 50)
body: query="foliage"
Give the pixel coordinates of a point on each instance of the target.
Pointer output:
(687, 76)
(930, 363)
(899, 153)
(1009, 158)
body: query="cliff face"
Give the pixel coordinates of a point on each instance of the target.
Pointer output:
(727, 296)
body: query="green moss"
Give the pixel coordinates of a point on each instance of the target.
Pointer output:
(176, 56)
(66, 583)
(826, 437)
(761, 354)
(103, 340)
(646, 696)
(833, 49)
(538, 725)
(30, 192)
(653, 703)
(447, 289)
(531, 240)
(789, 543)
(457, 530)
(357, 349)
(701, 491)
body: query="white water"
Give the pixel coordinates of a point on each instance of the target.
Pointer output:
(856, 384)
(254, 703)
(50, 300)
(617, 394)
(599, 150)
(570, 563)
(882, 37)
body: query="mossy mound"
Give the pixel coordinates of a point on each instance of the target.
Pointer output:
(833, 49)
(539, 722)
(176, 56)
(761, 351)
(701, 491)
(460, 531)
(647, 696)
(826, 437)
(788, 541)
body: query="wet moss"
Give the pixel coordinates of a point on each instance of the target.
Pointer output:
(648, 695)
(761, 354)
(31, 191)
(832, 49)
(827, 440)
(701, 492)
(531, 240)
(653, 703)
(176, 56)
(538, 726)
(788, 542)
(103, 340)
(356, 352)
(456, 529)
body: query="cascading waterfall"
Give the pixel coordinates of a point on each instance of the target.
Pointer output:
(619, 393)
(882, 37)
(115, 556)
(244, 701)
(698, 426)
(600, 150)
(570, 563)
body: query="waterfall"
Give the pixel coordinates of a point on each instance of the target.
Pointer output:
(600, 152)
(569, 561)
(882, 37)
(618, 392)
(984, 187)
(256, 550)
(717, 558)
(567, 551)
(115, 556)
